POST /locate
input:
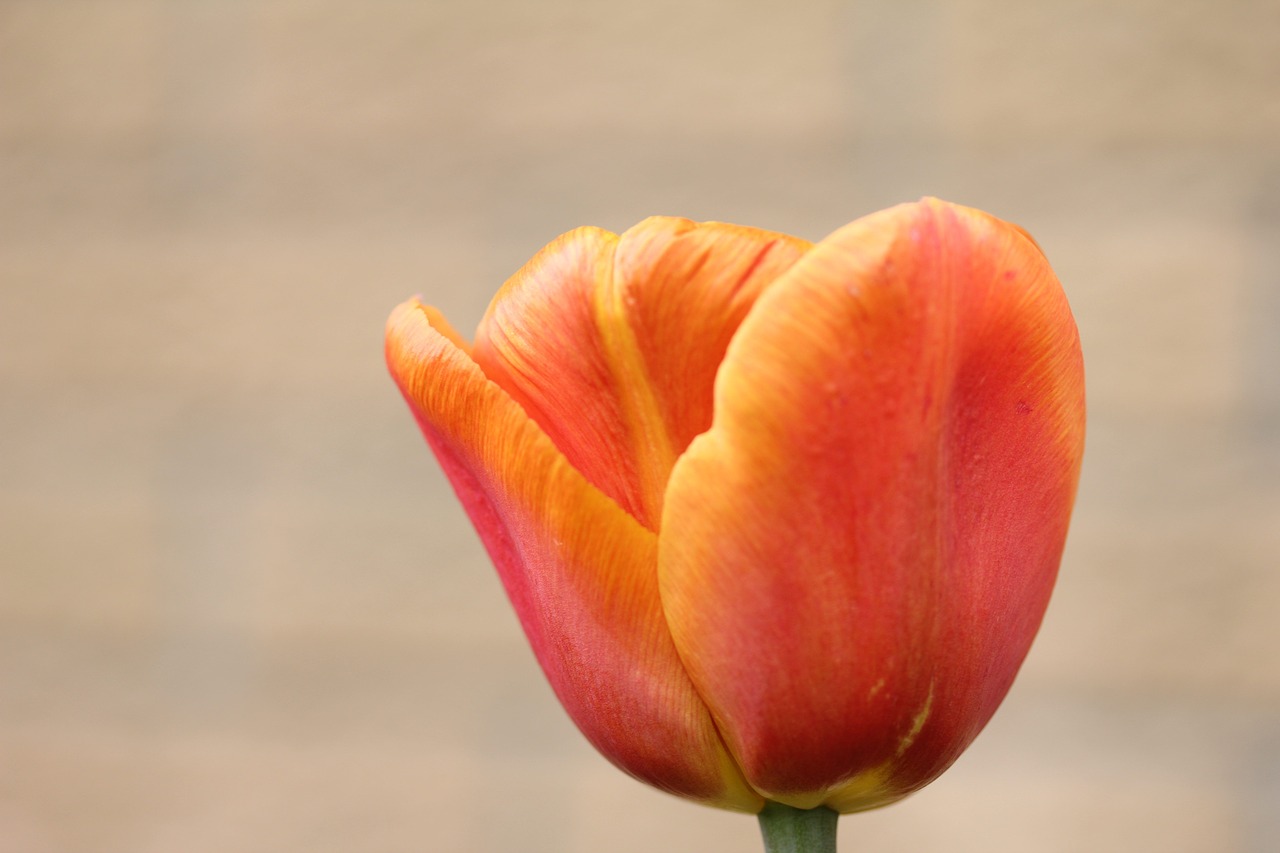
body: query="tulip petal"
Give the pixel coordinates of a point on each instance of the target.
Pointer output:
(684, 288)
(579, 571)
(611, 343)
(855, 557)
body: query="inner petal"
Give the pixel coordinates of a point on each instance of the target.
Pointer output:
(611, 344)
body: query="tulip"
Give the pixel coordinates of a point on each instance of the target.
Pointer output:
(780, 520)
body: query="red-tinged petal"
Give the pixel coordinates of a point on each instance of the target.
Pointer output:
(580, 572)
(856, 556)
(612, 343)
(539, 341)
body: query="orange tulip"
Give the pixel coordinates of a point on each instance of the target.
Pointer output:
(779, 519)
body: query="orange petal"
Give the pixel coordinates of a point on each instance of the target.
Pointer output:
(682, 289)
(611, 343)
(856, 556)
(579, 571)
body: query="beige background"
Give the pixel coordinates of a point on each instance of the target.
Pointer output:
(239, 608)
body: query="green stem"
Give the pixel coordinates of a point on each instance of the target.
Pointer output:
(792, 830)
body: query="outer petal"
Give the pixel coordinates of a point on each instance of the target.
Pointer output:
(611, 343)
(579, 571)
(855, 558)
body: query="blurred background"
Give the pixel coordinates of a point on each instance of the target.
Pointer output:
(239, 607)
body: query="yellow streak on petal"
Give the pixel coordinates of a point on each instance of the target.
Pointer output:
(871, 788)
(651, 443)
(917, 723)
(868, 790)
(874, 788)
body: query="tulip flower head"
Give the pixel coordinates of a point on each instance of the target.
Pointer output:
(780, 520)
